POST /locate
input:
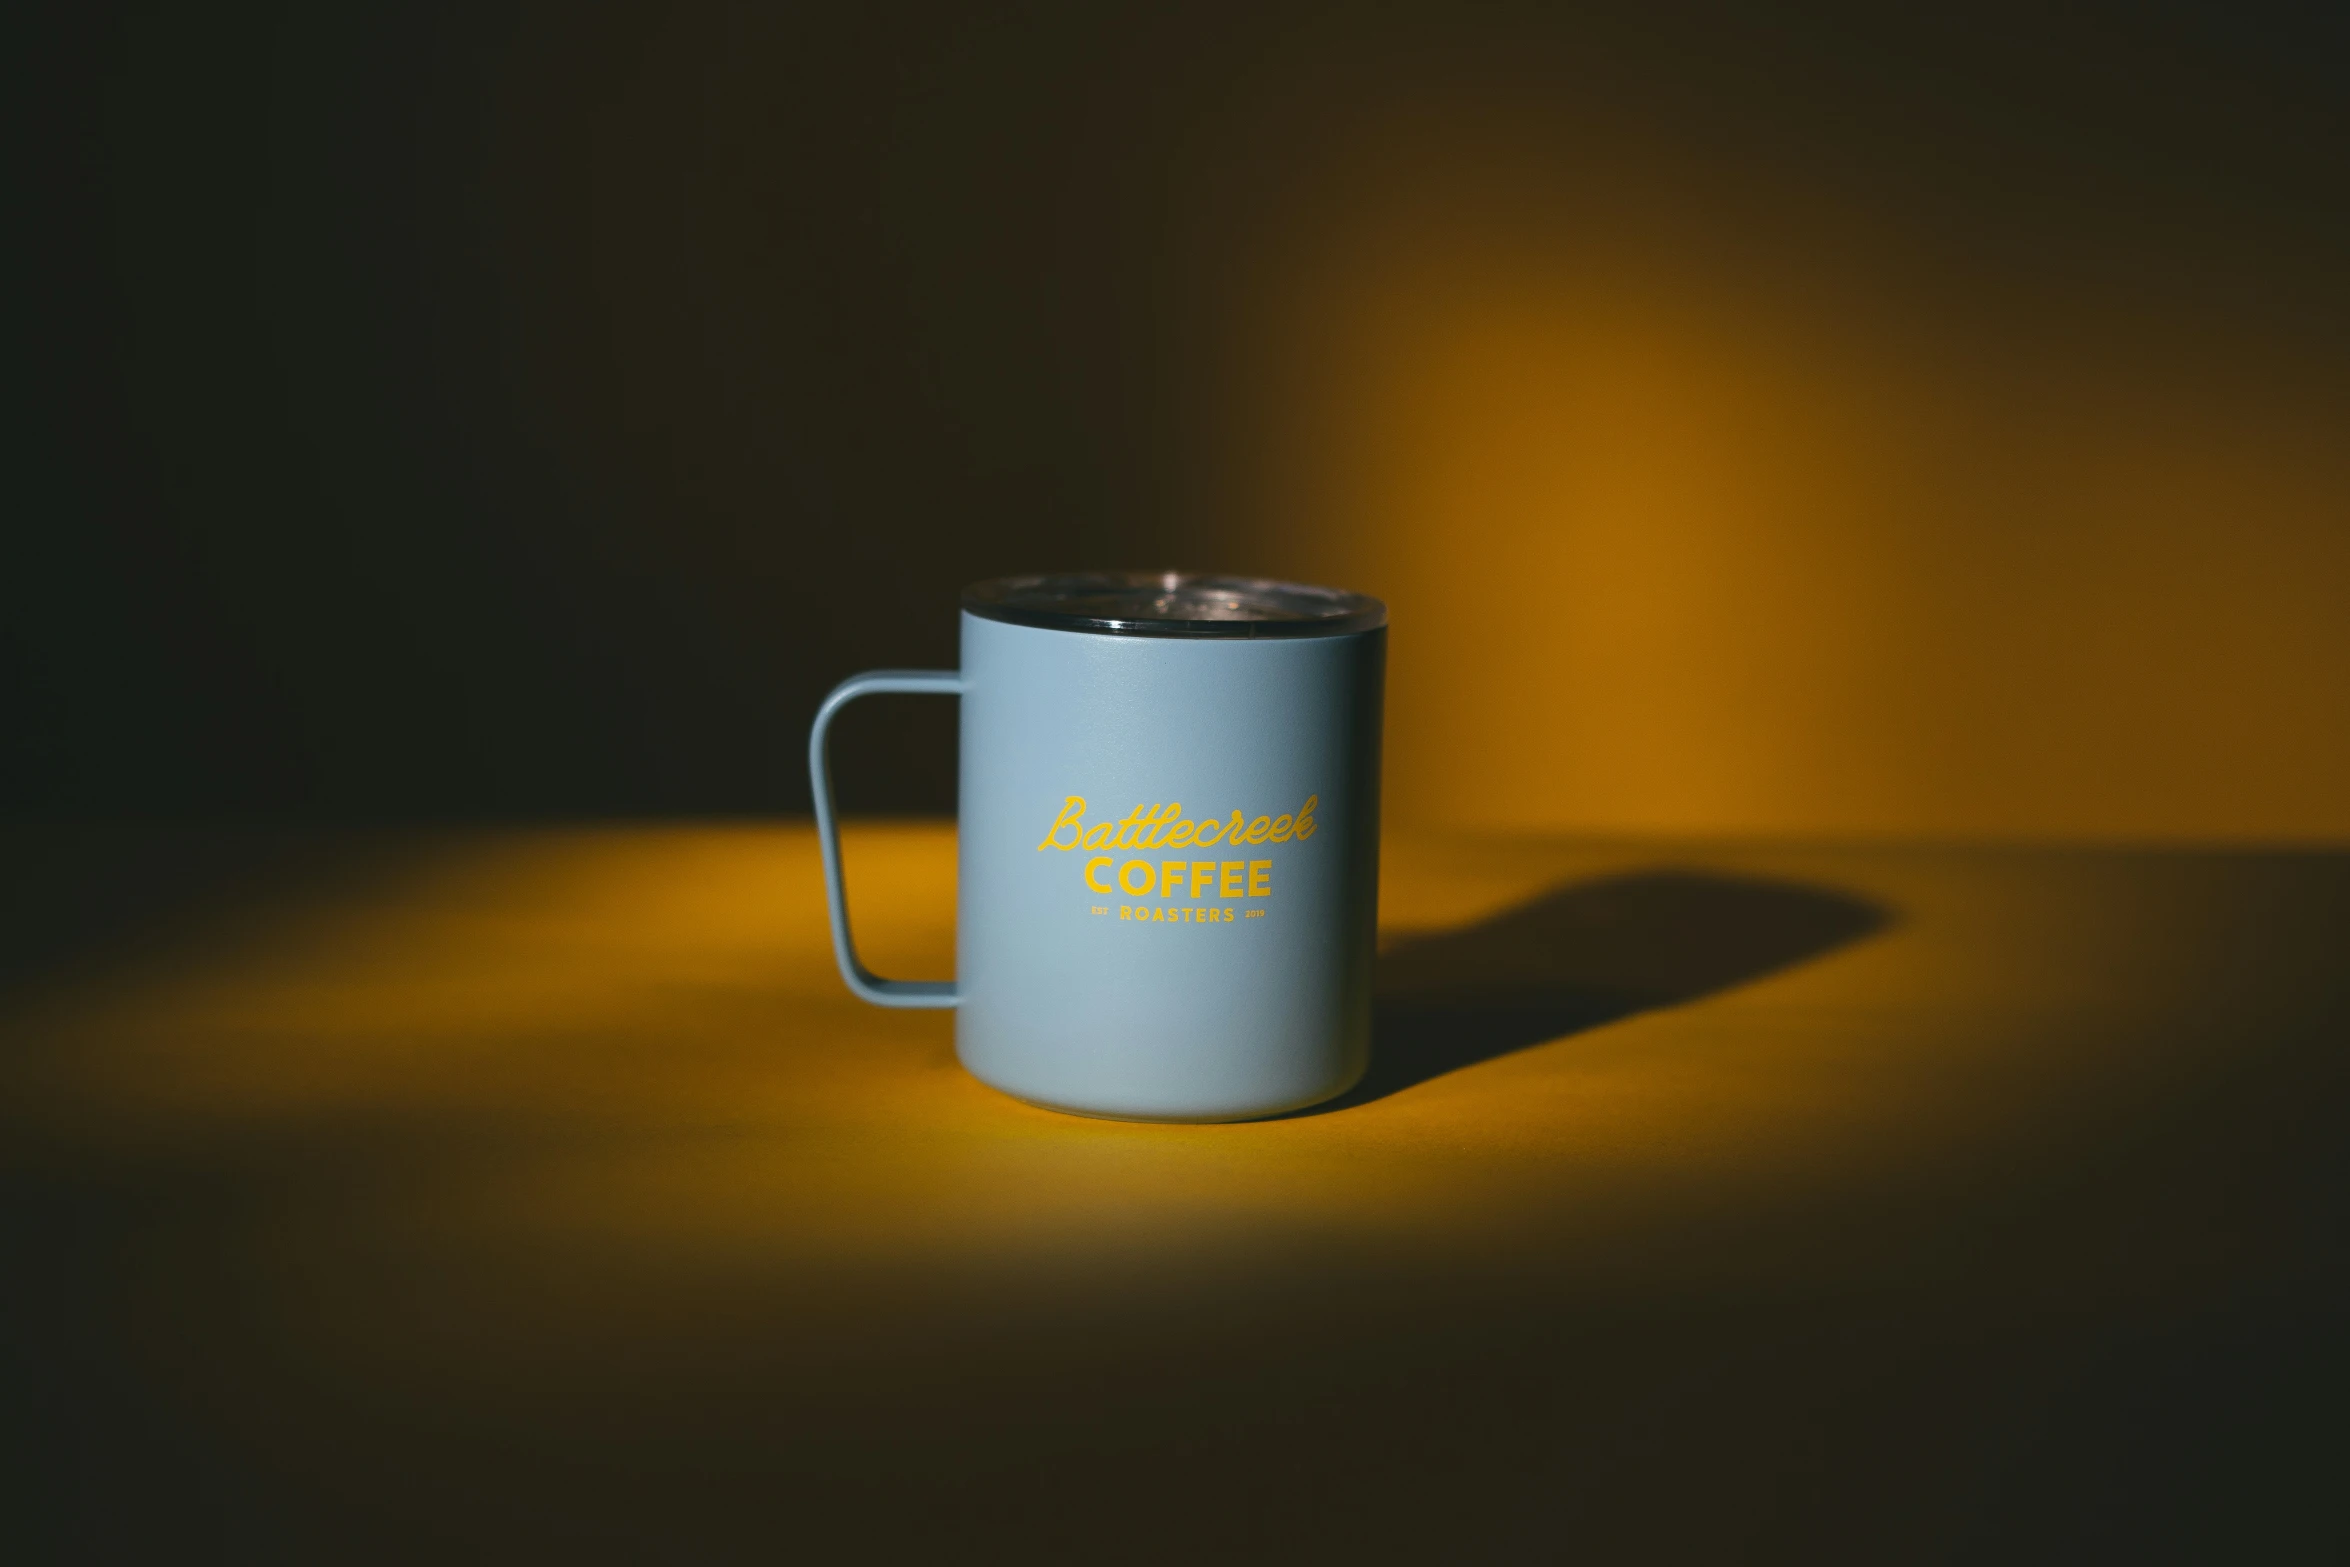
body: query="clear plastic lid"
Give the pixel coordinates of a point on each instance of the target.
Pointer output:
(1173, 604)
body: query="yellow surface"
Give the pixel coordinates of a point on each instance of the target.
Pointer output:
(675, 992)
(569, 1146)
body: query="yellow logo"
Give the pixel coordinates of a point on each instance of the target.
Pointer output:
(1164, 826)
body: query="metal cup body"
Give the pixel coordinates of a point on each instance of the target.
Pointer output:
(1111, 963)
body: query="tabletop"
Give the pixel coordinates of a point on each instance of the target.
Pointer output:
(542, 1193)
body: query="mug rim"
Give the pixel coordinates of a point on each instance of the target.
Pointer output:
(1308, 610)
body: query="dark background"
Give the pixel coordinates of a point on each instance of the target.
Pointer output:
(516, 411)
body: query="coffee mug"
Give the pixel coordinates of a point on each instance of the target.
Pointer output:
(1168, 848)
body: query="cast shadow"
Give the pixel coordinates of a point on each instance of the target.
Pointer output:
(1580, 955)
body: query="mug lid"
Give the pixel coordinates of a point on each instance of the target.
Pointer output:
(1173, 604)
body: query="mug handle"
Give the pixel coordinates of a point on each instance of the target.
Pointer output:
(881, 992)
